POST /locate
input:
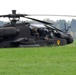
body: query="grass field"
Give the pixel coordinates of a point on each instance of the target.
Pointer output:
(38, 61)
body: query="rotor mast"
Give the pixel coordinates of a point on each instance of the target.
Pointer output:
(14, 18)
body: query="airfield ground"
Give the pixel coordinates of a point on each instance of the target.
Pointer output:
(38, 61)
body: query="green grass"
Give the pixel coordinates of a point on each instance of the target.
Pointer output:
(38, 61)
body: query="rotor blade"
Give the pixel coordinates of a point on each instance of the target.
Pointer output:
(22, 15)
(14, 15)
(4, 15)
(44, 22)
(51, 15)
(57, 29)
(52, 27)
(9, 16)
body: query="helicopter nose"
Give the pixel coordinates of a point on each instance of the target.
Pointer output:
(70, 39)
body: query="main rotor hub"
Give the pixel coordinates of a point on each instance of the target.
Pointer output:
(13, 11)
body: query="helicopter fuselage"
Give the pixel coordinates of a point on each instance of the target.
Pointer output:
(20, 34)
(15, 34)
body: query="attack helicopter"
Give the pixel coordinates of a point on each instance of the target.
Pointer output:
(23, 34)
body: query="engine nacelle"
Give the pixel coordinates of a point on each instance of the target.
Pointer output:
(8, 31)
